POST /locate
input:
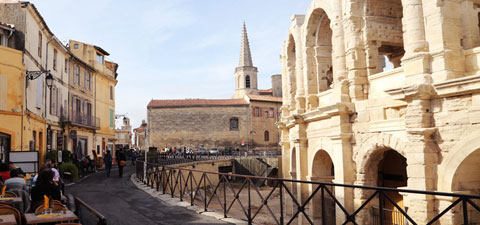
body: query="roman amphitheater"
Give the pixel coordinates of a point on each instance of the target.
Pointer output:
(384, 93)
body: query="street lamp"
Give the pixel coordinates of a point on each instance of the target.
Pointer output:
(49, 80)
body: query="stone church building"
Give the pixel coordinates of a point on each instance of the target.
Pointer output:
(347, 118)
(245, 122)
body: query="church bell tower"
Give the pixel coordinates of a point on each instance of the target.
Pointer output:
(245, 73)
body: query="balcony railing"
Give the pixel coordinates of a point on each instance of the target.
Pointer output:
(86, 120)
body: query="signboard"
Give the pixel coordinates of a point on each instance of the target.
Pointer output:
(27, 160)
(59, 156)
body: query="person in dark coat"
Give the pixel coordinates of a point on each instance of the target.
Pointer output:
(108, 162)
(121, 157)
(45, 186)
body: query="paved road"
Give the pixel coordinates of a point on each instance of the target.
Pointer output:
(124, 204)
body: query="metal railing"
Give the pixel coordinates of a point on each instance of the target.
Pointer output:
(281, 203)
(88, 215)
(85, 120)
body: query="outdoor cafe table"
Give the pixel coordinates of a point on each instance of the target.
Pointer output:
(33, 218)
(15, 201)
(8, 219)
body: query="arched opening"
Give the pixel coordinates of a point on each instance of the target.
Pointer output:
(391, 171)
(5, 144)
(384, 34)
(467, 180)
(322, 171)
(291, 71)
(247, 81)
(318, 55)
(266, 136)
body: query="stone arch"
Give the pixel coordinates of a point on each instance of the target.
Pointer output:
(374, 160)
(318, 49)
(459, 153)
(383, 33)
(375, 142)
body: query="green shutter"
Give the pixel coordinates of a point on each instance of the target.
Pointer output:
(111, 118)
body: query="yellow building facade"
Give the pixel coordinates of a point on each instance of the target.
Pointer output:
(105, 82)
(12, 86)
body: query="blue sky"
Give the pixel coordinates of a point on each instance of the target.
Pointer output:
(175, 49)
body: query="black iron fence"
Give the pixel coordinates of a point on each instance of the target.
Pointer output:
(286, 201)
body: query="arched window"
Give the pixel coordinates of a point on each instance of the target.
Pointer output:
(267, 136)
(234, 123)
(247, 81)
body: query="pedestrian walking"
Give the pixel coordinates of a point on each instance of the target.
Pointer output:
(121, 159)
(108, 162)
(133, 157)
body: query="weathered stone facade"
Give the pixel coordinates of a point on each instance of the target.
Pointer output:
(347, 119)
(246, 122)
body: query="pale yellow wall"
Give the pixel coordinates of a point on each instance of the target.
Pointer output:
(12, 86)
(104, 104)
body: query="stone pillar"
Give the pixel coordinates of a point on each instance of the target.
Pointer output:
(344, 172)
(310, 77)
(354, 49)
(444, 35)
(300, 94)
(373, 64)
(421, 154)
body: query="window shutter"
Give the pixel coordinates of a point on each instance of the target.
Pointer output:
(260, 109)
(253, 112)
(74, 107)
(39, 91)
(274, 113)
(59, 102)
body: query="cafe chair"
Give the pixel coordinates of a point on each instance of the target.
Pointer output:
(9, 194)
(5, 210)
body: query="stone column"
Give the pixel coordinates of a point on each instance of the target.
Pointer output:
(310, 77)
(373, 64)
(444, 35)
(300, 94)
(421, 153)
(344, 172)
(354, 48)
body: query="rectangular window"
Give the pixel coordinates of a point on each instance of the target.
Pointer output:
(55, 59)
(257, 112)
(99, 58)
(40, 44)
(111, 92)
(1, 41)
(77, 72)
(53, 101)
(88, 79)
(271, 113)
(75, 46)
(34, 141)
(112, 118)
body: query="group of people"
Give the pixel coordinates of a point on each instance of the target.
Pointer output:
(47, 182)
(121, 159)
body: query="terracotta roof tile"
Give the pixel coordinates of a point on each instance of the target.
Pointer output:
(194, 102)
(264, 98)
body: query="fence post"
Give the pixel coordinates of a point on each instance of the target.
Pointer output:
(191, 189)
(249, 204)
(380, 206)
(205, 191)
(323, 205)
(281, 202)
(465, 211)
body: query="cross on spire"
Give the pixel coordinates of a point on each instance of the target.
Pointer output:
(245, 55)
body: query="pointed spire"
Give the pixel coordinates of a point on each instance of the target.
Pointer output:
(245, 55)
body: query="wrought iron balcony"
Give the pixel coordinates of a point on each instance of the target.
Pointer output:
(85, 120)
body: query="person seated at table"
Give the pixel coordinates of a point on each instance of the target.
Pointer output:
(15, 182)
(4, 171)
(45, 186)
(12, 166)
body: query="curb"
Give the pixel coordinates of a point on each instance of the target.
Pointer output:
(167, 199)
